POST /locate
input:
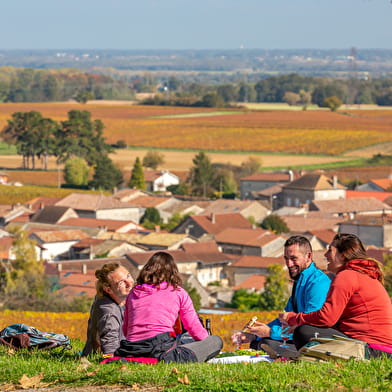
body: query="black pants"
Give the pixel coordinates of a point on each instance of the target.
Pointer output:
(304, 333)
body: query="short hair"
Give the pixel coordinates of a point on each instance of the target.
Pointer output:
(160, 268)
(303, 243)
(102, 276)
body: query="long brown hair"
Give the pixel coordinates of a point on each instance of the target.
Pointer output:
(103, 277)
(160, 268)
(350, 247)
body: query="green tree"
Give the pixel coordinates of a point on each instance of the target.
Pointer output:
(225, 182)
(106, 174)
(153, 159)
(245, 300)
(201, 175)
(388, 273)
(25, 130)
(175, 220)
(251, 166)
(333, 103)
(276, 293)
(180, 189)
(84, 96)
(274, 223)
(76, 172)
(137, 176)
(82, 137)
(26, 283)
(212, 100)
(151, 218)
(195, 296)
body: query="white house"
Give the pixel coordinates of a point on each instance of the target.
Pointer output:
(159, 180)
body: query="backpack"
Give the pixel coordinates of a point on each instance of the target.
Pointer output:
(23, 336)
(334, 348)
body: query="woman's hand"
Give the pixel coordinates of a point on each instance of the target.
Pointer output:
(283, 318)
(242, 337)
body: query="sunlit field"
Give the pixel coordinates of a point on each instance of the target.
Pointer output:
(298, 132)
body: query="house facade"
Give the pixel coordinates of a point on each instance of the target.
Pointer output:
(311, 187)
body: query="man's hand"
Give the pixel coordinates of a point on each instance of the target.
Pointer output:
(242, 337)
(283, 318)
(260, 329)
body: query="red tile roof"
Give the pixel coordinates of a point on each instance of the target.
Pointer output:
(179, 256)
(377, 195)
(109, 224)
(90, 202)
(269, 177)
(311, 221)
(384, 183)
(249, 237)
(148, 201)
(222, 221)
(255, 282)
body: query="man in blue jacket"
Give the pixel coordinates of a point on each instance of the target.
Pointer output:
(309, 292)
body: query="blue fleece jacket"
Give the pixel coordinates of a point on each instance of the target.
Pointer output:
(310, 294)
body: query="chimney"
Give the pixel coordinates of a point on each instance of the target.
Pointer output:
(59, 267)
(335, 182)
(157, 229)
(84, 269)
(212, 217)
(291, 176)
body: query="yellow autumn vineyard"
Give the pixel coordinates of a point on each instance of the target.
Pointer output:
(74, 324)
(304, 132)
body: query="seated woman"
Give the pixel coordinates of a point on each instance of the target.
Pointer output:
(104, 331)
(357, 304)
(151, 310)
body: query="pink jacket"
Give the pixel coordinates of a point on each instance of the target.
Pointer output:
(151, 310)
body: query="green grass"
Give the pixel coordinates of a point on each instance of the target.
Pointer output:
(6, 149)
(64, 369)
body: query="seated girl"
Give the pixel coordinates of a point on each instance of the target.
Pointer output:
(151, 310)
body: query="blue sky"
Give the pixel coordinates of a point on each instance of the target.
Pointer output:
(195, 24)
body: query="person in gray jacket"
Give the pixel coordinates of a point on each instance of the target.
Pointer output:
(104, 330)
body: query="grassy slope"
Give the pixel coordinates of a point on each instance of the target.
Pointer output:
(64, 369)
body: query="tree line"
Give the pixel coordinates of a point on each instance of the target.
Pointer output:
(78, 142)
(30, 85)
(292, 89)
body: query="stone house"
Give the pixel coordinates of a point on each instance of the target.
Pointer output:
(309, 187)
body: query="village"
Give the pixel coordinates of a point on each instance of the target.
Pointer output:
(219, 246)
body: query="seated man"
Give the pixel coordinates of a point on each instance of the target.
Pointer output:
(104, 330)
(309, 292)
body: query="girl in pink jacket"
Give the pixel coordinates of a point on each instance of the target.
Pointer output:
(151, 310)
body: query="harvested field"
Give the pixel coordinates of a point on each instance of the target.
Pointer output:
(305, 132)
(174, 160)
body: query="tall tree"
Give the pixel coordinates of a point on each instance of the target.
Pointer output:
(26, 282)
(137, 176)
(82, 137)
(106, 174)
(31, 133)
(201, 174)
(276, 293)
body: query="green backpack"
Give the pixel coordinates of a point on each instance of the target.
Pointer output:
(334, 348)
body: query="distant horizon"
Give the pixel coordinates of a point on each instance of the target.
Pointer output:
(193, 49)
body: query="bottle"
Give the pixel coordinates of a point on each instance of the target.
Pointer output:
(208, 326)
(249, 324)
